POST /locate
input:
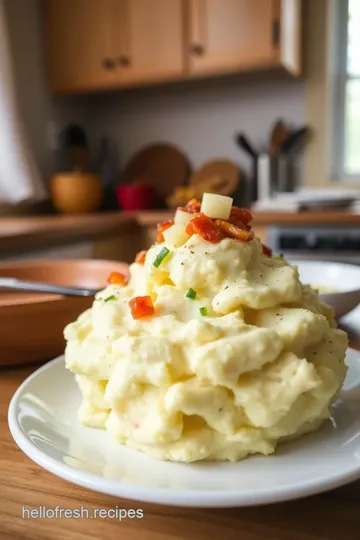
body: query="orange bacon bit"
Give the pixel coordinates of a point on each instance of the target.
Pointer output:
(241, 214)
(204, 227)
(232, 231)
(238, 223)
(116, 278)
(161, 227)
(193, 206)
(266, 251)
(141, 306)
(141, 256)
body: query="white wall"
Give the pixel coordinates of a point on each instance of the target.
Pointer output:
(37, 106)
(200, 118)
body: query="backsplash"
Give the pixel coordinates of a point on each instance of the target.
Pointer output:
(200, 118)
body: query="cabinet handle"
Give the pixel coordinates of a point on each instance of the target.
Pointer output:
(197, 50)
(109, 63)
(124, 61)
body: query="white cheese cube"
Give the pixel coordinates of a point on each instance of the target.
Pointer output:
(216, 206)
(182, 218)
(175, 236)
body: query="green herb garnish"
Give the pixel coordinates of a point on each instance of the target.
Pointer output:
(203, 311)
(110, 298)
(281, 255)
(160, 257)
(191, 294)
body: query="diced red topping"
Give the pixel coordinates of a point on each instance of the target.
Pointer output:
(193, 206)
(204, 227)
(116, 278)
(238, 223)
(266, 250)
(241, 214)
(141, 256)
(232, 231)
(161, 227)
(141, 306)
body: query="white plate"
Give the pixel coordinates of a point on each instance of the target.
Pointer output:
(42, 420)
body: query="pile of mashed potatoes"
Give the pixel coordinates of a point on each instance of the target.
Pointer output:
(262, 365)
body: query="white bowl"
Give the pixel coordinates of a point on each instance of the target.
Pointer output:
(344, 278)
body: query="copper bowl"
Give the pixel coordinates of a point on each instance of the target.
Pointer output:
(32, 324)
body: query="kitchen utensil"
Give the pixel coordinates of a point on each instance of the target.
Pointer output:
(37, 286)
(245, 144)
(136, 196)
(76, 192)
(293, 139)
(75, 148)
(74, 135)
(216, 176)
(279, 134)
(163, 166)
(43, 421)
(32, 324)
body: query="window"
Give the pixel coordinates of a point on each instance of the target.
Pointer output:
(346, 149)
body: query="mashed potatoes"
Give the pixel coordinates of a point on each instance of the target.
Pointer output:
(253, 359)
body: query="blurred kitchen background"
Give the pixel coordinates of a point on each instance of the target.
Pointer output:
(114, 112)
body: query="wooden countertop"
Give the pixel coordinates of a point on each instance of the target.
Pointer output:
(18, 232)
(329, 516)
(270, 218)
(23, 232)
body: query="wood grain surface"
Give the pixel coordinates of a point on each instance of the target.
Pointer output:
(24, 232)
(331, 516)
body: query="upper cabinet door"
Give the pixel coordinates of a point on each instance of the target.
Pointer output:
(151, 40)
(232, 35)
(78, 44)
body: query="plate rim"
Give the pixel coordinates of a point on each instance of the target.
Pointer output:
(164, 496)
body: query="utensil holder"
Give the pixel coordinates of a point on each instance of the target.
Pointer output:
(272, 175)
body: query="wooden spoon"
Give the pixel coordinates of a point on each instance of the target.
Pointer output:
(279, 134)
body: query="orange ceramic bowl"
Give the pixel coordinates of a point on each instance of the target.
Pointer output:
(32, 324)
(76, 192)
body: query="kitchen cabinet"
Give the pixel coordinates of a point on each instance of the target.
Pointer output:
(102, 44)
(99, 44)
(78, 44)
(239, 35)
(151, 42)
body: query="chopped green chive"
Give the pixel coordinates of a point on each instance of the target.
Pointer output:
(109, 298)
(281, 255)
(191, 294)
(203, 311)
(160, 257)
